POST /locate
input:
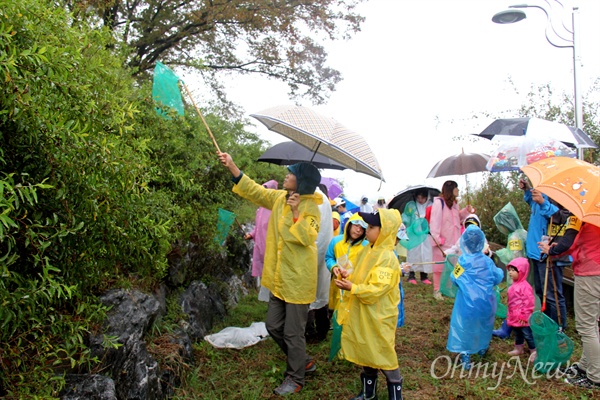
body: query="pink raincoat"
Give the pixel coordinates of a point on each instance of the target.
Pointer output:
(521, 300)
(445, 227)
(259, 234)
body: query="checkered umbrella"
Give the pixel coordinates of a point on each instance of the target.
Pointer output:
(322, 135)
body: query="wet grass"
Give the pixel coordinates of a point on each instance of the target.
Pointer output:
(253, 372)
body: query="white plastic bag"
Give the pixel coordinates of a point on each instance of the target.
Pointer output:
(238, 338)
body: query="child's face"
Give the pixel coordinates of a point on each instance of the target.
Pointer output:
(356, 231)
(421, 199)
(513, 273)
(373, 233)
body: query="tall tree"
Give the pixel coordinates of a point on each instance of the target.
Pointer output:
(280, 39)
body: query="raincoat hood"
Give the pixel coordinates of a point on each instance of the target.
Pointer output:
(471, 219)
(272, 184)
(336, 215)
(390, 223)
(307, 177)
(522, 265)
(472, 240)
(357, 220)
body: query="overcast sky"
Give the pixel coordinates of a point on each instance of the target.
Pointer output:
(419, 72)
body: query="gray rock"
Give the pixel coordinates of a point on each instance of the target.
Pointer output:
(204, 306)
(88, 387)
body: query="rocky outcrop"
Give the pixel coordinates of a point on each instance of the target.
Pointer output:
(128, 367)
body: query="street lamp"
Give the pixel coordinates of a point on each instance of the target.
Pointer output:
(570, 41)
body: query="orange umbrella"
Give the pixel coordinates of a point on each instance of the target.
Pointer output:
(573, 183)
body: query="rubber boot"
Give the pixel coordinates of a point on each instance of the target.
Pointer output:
(532, 356)
(466, 361)
(395, 391)
(369, 388)
(517, 351)
(503, 332)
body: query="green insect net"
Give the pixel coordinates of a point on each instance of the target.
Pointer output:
(165, 88)
(501, 309)
(336, 338)
(447, 288)
(224, 223)
(554, 348)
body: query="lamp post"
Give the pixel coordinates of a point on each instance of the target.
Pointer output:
(571, 41)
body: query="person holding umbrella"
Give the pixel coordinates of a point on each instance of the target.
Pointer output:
(290, 266)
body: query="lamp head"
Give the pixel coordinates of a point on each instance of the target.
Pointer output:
(509, 16)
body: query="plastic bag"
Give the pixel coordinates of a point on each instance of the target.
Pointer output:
(507, 220)
(238, 338)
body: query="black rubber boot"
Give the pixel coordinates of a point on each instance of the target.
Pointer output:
(395, 391)
(369, 388)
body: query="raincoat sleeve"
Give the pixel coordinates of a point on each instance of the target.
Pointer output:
(256, 193)
(527, 196)
(383, 277)
(306, 229)
(498, 273)
(435, 223)
(330, 258)
(523, 304)
(464, 213)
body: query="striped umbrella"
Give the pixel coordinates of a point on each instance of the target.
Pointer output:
(322, 135)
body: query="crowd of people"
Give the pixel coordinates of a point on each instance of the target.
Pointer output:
(319, 261)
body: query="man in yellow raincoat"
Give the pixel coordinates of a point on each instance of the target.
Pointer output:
(290, 267)
(370, 309)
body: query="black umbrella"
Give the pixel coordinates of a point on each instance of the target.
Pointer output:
(410, 194)
(540, 128)
(288, 153)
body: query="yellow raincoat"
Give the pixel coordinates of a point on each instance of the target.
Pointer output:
(338, 248)
(290, 270)
(370, 310)
(336, 215)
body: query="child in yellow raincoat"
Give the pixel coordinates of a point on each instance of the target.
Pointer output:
(370, 314)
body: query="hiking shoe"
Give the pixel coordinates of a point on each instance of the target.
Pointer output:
(288, 386)
(426, 282)
(574, 371)
(311, 366)
(412, 281)
(584, 382)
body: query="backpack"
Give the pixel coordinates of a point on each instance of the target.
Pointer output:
(428, 211)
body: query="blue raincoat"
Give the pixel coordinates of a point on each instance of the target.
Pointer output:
(474, 309)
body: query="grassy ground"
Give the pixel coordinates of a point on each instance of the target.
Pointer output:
(252, 373)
